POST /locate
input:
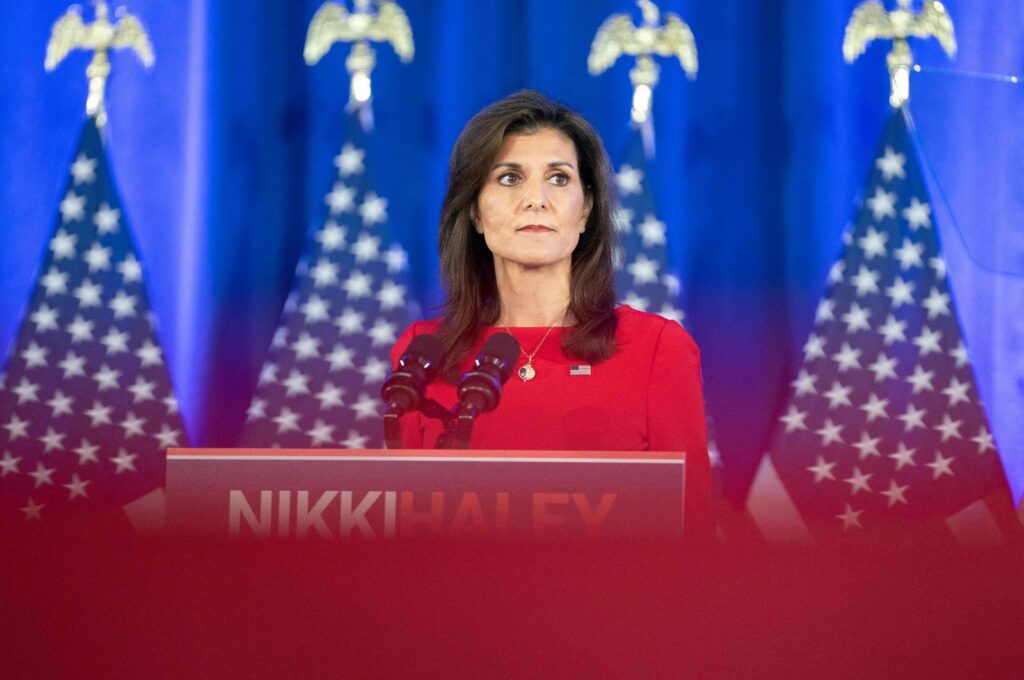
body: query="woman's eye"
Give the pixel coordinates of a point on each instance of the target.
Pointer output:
(559, 179)
(508, 179)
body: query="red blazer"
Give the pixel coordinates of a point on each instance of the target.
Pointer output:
(647, 396)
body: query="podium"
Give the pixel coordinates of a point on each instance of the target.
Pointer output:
(384, 494)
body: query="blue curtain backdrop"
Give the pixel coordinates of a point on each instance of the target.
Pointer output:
(223, 153)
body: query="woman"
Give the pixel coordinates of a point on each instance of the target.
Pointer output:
(526, 244)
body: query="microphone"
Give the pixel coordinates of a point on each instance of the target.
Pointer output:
(403, 389)
(480, 387)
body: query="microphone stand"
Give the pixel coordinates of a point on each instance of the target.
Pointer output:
(457, 421)
(458, 424)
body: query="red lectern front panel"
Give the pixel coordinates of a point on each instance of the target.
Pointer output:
(357, 494)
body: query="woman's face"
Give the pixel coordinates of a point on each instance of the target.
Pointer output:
(533, 206)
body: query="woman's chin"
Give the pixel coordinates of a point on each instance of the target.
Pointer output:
(536, 262)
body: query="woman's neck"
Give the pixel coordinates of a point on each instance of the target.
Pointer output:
(532, 296)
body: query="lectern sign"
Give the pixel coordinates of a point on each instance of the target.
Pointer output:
(367, 494)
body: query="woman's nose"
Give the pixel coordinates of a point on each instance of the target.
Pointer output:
(536, 196)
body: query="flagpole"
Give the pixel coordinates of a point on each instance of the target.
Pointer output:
(871, 22)
(618, 36)
(333, 23)
(69, 33)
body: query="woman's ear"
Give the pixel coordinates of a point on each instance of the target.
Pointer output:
(474, 218)
(587, 207)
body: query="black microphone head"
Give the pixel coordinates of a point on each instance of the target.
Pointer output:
(504, 348)
(480, 387)
(417, 368)
(427, 351)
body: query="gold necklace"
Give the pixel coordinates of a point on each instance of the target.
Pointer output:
(527, 372)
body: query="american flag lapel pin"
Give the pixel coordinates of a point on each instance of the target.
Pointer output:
(579, 369)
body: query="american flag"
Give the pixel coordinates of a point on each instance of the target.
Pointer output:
(320, 385)
(643, 278)
(642, 275)
(884, 434)
(86, 405)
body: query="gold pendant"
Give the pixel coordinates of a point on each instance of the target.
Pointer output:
(526, 372)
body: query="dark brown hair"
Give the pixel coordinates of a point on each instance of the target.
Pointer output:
(467, 266)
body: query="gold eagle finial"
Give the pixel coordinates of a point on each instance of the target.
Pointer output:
(618, 36)
(334, 23)
(870, 22)
(70, 32)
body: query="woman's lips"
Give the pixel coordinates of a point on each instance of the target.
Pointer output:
(535, 228)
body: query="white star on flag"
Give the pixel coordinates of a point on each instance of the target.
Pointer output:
(838, 395)
(937, 303)
(341, 199)
(900, 292)
(374, 209)
(804, 383)
(341, 357)
(903, 457)
(891, 164)
(350, 321)
(822, 470)
(130, 269)
(884, 368)
(124, 461)
(396, 259)
(306, 347)
(315, 309)
(366, 248)
(893, 330)
(320, 434)
(913, 418)
(55, 281)
(324, 273)
(859, 481)
(329, 396)
(349, 161)
(628, 180)
(86, 452)
(652, 231)
(794, 419)
(97, 257)
(391, 295)
(882, 204)
(850, 517)
(856, 319)
(331, 237)
(62, 245)
(873, 243)
(644, 270)
(866, 281)
(895, 493)
(107, 219)
(874, 408)
(867, 446)
(76, 487)
(358, 285)
(917, 214)
(72, 208)
(83, 170)
(909, 254)
(830, 432)
(941, 466)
